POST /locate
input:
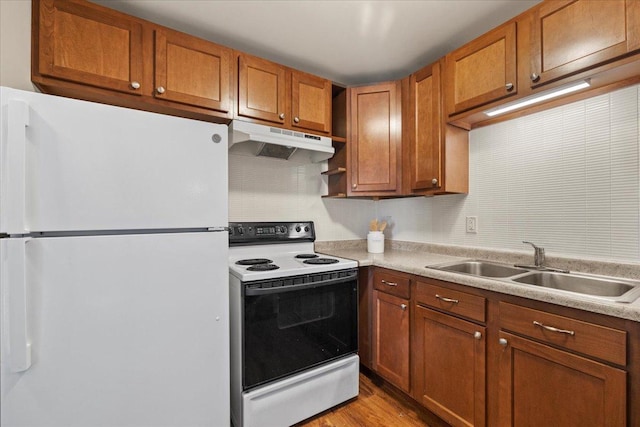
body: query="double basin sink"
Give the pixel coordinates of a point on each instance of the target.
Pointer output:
(594, 287)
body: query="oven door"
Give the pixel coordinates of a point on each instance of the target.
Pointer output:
(296, 323)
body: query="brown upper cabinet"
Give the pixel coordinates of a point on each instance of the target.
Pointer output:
(375, 140)
(273, 93)
(568, 37)
(87, 51)
(436, 155)
(81, 43)
(482, 71)
(192, 71)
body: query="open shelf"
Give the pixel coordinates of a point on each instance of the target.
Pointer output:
(335, 171)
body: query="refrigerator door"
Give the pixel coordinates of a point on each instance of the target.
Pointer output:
(69, 165)
(123, 330)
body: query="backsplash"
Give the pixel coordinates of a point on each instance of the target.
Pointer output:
(567, 179)
(264, 189)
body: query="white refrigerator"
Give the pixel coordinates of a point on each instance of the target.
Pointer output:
(113, 266)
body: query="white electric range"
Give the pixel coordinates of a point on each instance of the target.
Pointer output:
(293, 325)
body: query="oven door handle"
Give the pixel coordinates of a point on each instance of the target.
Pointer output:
(280, 289)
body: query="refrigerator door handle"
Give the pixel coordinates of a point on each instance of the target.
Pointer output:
(14, 287)
(13, 191)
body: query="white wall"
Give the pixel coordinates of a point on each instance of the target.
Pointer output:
(567, 179)
(15, 44)
(263, 189)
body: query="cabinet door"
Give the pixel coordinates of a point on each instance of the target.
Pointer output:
(374, 123)
(89, 44)
(482, 71)
(571, 36)
(192, 71)
(449, 367)
(262, 90)
(310, 102)
(391, 338)
(543, 386)
(425, 141)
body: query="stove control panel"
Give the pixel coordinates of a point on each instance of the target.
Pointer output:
(255, 233)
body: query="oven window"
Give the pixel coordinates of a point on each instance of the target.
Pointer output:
(288, 332)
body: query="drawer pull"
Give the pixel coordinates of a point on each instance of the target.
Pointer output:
(552, 329)
(445, 299)
(384, 282)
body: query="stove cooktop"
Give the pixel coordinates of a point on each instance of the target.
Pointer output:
(259, 251)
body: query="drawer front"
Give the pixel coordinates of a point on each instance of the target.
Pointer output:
(451, 301)
(391, 283)
(583, 337)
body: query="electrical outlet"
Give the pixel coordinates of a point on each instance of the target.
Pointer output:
(472, 224)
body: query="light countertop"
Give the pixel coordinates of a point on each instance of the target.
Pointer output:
(413, 258)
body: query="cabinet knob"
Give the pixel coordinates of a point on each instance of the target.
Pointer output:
(403, 307)
(434, 181)
(477, 335)
(503, 342)
(160, 90)
(281, 115)
(135, 85)
(509, 87)
(354, 186)
(535, 77)
(296, 120)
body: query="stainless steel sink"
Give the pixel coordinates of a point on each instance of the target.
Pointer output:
(603, 288)
(600, 288)
(482, 268)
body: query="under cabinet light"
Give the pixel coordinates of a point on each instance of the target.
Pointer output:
(539, 97)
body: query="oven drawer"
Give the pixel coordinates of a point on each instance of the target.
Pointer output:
(392, 282)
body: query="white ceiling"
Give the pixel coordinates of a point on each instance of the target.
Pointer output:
(349, 42)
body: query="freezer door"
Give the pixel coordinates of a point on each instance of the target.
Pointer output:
(69, 165)
(123, 331)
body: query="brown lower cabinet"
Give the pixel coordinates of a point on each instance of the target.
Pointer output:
(544, 386)
(449, 367)
(481, 358)
(390, 338)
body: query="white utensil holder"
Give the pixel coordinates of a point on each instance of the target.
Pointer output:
(375, 242)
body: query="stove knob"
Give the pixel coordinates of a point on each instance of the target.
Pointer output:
(283, 230)
(306, 229)
(240, 231)
(298, 228)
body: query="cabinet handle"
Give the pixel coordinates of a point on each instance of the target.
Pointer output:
(296, 120)
(403, 307)
(503, 342)
(477, 335)
(535, 77)
(354, 186)
(445, 299)
(552, 329)
(389, 283)
(281, 115)
(509, 87)
(135, 85)
(434, 181)
(160, 90)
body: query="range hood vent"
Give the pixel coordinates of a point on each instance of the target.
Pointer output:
(259, 140)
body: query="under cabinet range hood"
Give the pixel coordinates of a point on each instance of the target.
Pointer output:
(266, 141)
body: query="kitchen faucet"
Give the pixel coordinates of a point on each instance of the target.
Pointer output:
(538, 260)
(538, 256)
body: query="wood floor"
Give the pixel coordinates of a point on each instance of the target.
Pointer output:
(376, 405)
